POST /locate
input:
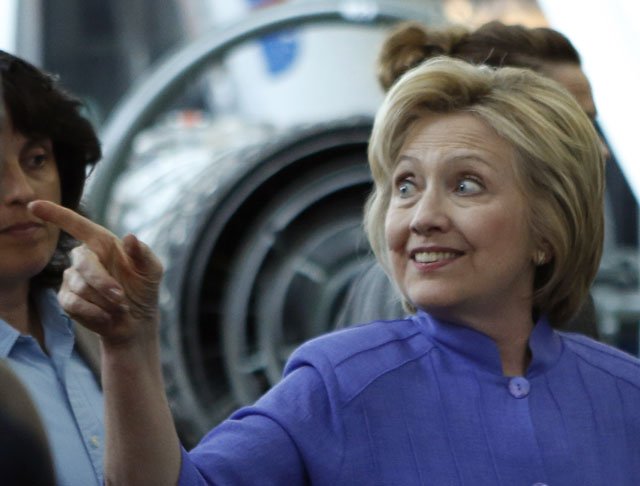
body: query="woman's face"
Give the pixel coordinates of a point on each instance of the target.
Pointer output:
(456, 227)
(28, 172)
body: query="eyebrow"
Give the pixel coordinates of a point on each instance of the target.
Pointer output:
(408, 158)
(454, 158)
(32, 142)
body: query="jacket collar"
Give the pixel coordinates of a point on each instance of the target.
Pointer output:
(479, 349)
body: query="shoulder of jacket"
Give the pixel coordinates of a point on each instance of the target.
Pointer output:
(352, 358)
(605, 357)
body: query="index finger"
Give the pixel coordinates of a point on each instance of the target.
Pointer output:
(78, 226)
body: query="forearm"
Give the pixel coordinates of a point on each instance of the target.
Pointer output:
(112, 289)
(142, 446)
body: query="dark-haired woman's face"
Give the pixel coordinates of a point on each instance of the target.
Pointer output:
(28, 171)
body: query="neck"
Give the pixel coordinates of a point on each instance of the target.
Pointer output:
(515, 355)
(510, 331)
(17, 310)
(512, 340)
(14, 306)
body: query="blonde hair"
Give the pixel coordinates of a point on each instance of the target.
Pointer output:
(559, 163)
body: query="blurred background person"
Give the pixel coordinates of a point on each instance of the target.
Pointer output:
(47, 148)
(25, 458)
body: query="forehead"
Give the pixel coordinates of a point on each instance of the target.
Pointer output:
(16, 134)
(15, 140)
(458, 133)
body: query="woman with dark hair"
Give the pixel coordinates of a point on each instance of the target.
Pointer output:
(47, 148)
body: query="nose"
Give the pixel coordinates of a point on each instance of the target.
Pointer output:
(15, 186)
(431, 213)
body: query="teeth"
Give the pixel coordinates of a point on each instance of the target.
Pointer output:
(433, 256)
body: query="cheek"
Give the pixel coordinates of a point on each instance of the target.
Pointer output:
(50, 186)
(57, 197)
(396, 231)
(54, 236)
(52, 191)
(396, 245)
(56, 189)
(52, 194)
(487, 227)
(510, 223)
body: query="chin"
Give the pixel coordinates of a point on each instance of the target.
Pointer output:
(28, 270)
(434, 299)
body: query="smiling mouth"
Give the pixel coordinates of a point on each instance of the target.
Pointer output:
(434, 256)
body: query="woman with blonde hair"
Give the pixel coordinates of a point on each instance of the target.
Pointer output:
(486, 182)
(372, 295)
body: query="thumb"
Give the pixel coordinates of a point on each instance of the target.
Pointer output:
(141, 256)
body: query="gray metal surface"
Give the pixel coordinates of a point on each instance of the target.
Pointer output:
(153, 92)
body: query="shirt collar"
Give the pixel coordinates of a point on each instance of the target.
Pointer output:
(58, 332)
(8, 337)
(544, 343)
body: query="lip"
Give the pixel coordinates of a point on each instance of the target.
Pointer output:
(25, 229)
(454, 255)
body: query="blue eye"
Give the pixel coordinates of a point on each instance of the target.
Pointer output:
(468, 186)
(406, 189)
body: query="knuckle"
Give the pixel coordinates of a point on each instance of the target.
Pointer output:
(77, 284)
(67, 275)
(67, 300)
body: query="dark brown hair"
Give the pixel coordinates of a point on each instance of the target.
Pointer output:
(494, 44)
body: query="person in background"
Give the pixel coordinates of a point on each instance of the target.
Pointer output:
(25, 459)
(476, 387)
(372, 295)
(47, 147)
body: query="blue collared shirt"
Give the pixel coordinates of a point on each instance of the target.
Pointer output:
(64, 390)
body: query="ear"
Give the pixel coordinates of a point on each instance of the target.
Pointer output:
(539, 258)
(542, 255)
